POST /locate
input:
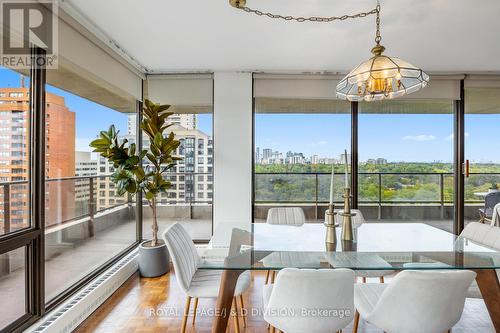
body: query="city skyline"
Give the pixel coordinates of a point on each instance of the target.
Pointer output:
(396, 137)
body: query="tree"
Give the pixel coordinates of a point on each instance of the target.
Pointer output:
(130, 175)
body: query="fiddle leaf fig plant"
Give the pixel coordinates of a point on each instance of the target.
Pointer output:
(130, 175)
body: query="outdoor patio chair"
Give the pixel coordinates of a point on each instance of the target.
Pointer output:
(490, 200)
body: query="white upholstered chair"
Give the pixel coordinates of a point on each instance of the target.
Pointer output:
(192, 281)
(484, 235)
(299, 290)
(292, 216)
(286, 216)
(414, 301)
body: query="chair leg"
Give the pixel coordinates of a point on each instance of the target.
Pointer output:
(185, 315)
(273, 330)
(273, 276)
(364, 279)
(242, 308)
(356, 322)
(381, 279)
(267, 276)
(236, 320)
(195, 307)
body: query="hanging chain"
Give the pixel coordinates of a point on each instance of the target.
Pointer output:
(312, 18)
(378, 38)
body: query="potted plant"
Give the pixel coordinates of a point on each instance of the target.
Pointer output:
(130, 176)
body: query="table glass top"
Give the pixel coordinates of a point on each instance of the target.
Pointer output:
(377, 246)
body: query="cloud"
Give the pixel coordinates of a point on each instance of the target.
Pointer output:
(451, 136)
(322, 142)
(421, 137)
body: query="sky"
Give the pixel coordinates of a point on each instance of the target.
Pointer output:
(90, 117)
(396, 137)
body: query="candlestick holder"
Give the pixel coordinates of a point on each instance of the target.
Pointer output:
(331, 234)
(347, 232)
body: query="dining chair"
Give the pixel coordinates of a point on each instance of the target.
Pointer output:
(310, 300)
(293, 216)
(193, 282)
(286, 216)
(490, 200)
(484, 235)
(414, 301)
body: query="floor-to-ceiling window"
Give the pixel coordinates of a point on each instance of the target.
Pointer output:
(296, 143)
(86, 222)
(14, 192)
(406, 161)
(189, 199)
(482, 121)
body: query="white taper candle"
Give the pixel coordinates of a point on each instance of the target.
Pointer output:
(346, 169)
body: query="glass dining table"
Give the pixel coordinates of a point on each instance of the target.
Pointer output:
(376, 247)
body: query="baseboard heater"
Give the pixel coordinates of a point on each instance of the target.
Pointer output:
(66, 317)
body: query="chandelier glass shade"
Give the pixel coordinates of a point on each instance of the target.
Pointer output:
(381, 77)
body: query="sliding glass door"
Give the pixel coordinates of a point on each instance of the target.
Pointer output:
(406, 161)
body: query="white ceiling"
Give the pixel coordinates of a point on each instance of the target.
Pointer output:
(209, 35)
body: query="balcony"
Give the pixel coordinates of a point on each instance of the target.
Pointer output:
(81, 234)
(410, 196)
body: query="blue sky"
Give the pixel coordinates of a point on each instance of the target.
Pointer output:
(90, 117)
(397, 137)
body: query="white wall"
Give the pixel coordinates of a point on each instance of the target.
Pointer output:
(232, 154)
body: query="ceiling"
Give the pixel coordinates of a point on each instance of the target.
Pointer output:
(458, 36)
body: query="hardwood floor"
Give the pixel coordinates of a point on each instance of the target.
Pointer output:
(155, 305)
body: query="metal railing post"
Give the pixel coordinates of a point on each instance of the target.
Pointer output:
(379, 195)
(91, 207)
(441, 194)
(191, 197)
(316, 203)
(6, 208)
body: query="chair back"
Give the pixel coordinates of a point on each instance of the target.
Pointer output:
(422, 301)
(490, 200)
(483, 234)
(298, 290)
(183, 252)
(239, 238)
(286, 216)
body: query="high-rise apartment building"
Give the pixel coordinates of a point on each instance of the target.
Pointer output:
(85, 167)
(191, 179)
(188, 121)
(267, 153)
(14, 156)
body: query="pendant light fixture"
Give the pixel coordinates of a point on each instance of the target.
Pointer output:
(378, 78)
(381, 76)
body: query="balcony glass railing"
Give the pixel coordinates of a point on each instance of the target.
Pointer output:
(375, 189)
(73, 198)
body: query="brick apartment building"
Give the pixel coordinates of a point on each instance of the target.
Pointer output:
(14, 158)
